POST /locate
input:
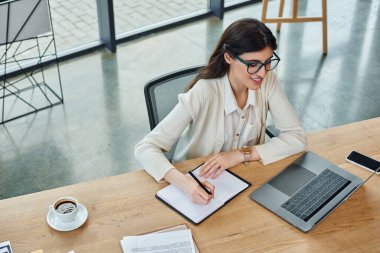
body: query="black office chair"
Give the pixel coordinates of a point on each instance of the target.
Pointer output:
(271, 131)
(161, 95)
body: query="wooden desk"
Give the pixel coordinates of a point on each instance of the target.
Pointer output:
(125, 205)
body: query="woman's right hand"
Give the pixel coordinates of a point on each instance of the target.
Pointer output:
(197, 193)
(187, 184)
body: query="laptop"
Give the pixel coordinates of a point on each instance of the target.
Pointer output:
(307, 191)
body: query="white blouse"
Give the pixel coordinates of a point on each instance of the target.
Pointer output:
(239, 124)
(198, 124)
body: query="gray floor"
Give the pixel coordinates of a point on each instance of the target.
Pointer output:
(93, 133)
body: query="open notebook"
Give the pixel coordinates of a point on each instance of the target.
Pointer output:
(227, 186)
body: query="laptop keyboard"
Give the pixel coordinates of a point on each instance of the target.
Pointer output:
(316, 194)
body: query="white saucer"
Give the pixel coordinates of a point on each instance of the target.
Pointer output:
(62, 226)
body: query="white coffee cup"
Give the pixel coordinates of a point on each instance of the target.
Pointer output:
(65, 209)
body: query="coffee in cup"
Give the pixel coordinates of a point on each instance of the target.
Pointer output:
(65, 206)
(65, 209)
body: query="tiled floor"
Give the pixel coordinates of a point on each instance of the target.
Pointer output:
(76, 22)
(93, 133)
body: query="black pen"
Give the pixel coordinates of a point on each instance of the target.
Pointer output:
(199, 182)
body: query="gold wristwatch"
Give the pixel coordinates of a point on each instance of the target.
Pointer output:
(246, 151)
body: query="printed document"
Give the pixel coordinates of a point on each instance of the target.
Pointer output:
(180, 241)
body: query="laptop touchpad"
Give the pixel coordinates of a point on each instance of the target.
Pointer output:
(292, 179)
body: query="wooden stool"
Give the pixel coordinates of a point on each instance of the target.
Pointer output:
(295, 18)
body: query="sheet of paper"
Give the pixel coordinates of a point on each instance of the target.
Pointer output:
(170, 229)
(194, 211)
(226, 185)
(180, 241)
(176, 228)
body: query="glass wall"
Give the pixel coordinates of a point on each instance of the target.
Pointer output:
(75, 23)
(135, 14)
(76, 27)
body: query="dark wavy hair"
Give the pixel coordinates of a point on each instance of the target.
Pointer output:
(243, 36)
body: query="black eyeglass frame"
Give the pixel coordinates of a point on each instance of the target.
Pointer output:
(268, 62)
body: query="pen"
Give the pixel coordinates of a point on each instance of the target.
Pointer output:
(199, 182)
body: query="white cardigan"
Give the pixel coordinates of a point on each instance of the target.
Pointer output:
(198, 122)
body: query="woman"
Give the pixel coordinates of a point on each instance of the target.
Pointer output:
(224, 113)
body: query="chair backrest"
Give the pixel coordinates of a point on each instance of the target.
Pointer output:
(271, 131)
(161, 95)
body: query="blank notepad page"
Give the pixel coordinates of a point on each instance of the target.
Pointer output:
(226, 185)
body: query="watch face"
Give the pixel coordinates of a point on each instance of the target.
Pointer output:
(245, 150)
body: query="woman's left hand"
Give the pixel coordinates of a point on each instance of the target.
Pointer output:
(216, 164)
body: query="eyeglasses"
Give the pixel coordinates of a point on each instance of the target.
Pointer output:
(254, 66)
